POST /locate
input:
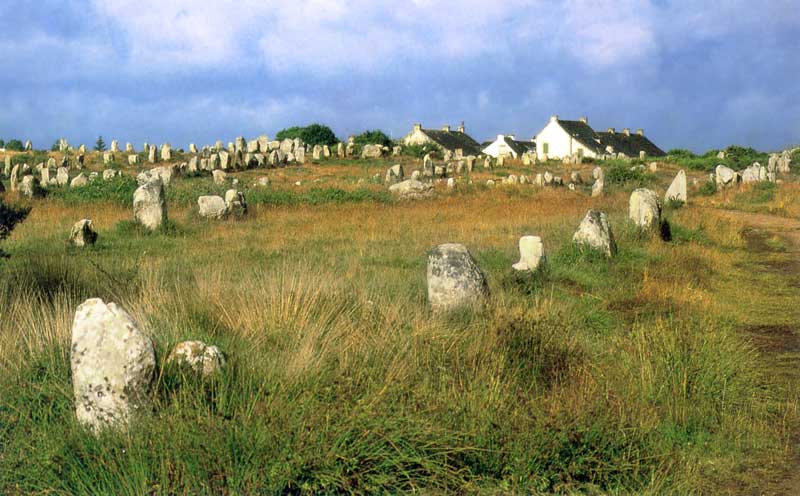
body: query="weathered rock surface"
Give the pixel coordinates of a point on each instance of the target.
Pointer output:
(200, 358)
(644, 209)
(150, 205)
(82, 233)
(212, 207)
(595, 233)
(454, 279)
(411, 189)
(112, 362)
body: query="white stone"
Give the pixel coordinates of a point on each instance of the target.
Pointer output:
(79, 180)
(198, 357)
(677, 190)
(212, 207)
(219, 176)
(113, 364)
(412, 189)
(531, 253)
(644, 209)
(725, 176)
(394, 174)
(597, 187)
(150, 205)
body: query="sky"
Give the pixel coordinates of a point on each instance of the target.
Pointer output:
(694, 74)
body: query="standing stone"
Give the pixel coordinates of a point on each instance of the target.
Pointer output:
(44, 171)
(677, 190)
(371, 151)
(151, 154)
(725, 176)
(597, 188)
(114, 146)
(15, 178)
(224, 160)
(113, 364)
(340, 150)
(235, 202)
(150, 205)
(300, 155)
(198, 357)
(316, 152)
(252, 146)
(28, 146)
(129, 148)
(108, 157)
(240, 144)
(531, 253)
(62, 176)
(595, 233)
(427, 165)
(644, 209)
(212, 207)
(133, 159)
(454, 279)
(394, 174)
(597, 173)
(29, 186)
(110, 174)
(263, 143)
(83, 233)
(326, 151)
(219, 176)
(192, 148)
(166, 152)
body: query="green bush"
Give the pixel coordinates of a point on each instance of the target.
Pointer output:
(374, 137)
(314, 134)
(680, 153)
(708, 188)
(419, 151)
(625, 173)
(15, 145)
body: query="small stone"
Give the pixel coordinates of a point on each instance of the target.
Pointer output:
(644, 209)
(198, 357)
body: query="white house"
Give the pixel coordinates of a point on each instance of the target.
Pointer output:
(507, 146)
(562, 139)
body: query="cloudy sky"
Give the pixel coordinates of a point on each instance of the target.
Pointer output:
(696, 74)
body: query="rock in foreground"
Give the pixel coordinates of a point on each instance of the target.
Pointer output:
(454, 279)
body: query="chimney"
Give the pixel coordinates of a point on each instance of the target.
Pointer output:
(512, 137)
(585, 120)
(500, 137)
(626, 131)
(640, 132)
(461, 128)
(553, 118)
(446, 128)
(611, 130)
(417, 127)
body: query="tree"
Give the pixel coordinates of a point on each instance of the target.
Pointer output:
(56, 146)
(15, 145)
(100, 145)
(314, 134)
(374, 137)
(2, 144)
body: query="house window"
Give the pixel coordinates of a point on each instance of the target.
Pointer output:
(545, 148)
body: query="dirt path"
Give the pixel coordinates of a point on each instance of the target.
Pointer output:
(779, 344)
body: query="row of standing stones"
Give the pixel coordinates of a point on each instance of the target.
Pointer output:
(113, 359)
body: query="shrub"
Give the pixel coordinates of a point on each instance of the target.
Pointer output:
(314, 134)
(624, 173)
(374, 137)
(708, 188)
(680, 153)
(419, 151)
(10, 216)
(15, 145)
(2, 144)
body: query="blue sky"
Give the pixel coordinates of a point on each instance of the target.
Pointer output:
(698, 75)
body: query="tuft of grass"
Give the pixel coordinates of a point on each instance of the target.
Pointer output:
(118, 190)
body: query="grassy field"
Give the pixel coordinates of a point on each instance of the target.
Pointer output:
(630, 375)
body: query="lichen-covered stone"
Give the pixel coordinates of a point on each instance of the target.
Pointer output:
(112, 362)
(454, 279)
(198, 357)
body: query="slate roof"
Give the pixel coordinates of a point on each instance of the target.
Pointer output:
(630, 145)
(521, 147)
(584, 134)
(452, 140)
